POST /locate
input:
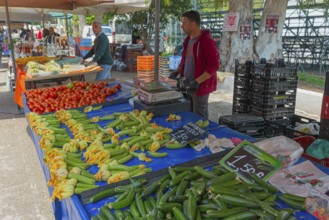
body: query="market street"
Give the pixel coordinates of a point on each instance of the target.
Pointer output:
(24, 193)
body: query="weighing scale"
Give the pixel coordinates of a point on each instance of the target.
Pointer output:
(160, 99)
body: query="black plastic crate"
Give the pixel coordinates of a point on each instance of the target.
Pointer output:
(273, 71)
(287, 126)
(240, 106)
(273, 98)
(243, 70)
(241, 82)
(273, 85)
(241, 93)
(273, 113)
(242, 121)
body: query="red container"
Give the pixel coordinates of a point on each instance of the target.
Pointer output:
(306, 141)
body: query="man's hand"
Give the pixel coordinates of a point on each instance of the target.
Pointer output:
(173, 75)
(90, 63)
(194, 85)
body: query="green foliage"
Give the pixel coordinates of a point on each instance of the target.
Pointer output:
(90, 19)
(75, 20)
(214, 5)
(106, 17)
(311, 79)
(143, 21)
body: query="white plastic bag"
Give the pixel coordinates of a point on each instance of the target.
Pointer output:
(283, 148)
(312, 128)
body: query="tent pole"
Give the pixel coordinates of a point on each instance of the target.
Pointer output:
(43, 20)
(156, 43)
(10, 40)
(67, 25)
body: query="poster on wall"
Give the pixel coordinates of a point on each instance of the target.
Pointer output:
(231, 21)
(272, 23)
(245, 30)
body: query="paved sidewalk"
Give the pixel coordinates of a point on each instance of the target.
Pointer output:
(23, 189)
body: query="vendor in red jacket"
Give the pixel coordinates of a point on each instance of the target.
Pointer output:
(199, 64)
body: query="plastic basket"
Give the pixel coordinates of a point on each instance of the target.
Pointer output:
(271, 71)
(287, 126)
(273, 85)
(241, 82)
(251, 125)
(145, 58)
(241, 93)
(243, 70)
(242, 120)
(240, 107)
(273, 99)
(273, 113)
(145, 73)
(305, 142)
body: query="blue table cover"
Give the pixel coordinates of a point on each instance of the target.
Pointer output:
(72, 208)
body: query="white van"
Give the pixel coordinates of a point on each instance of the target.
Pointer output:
(87, 32)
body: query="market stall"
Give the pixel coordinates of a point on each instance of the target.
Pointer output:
(40, 72)
(75, 207)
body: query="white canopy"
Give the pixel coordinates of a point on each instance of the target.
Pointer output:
(117, 7)
(24, 14)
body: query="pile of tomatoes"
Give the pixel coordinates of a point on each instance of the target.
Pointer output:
(73, 95)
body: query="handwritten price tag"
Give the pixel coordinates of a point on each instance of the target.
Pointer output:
(248, 158)
(187, 133)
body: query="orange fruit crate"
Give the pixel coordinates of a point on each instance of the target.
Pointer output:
(145, 74)
(145, 66)
(145, 58)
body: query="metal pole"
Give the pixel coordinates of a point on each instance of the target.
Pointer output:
(10, 40)
(67, 25)
(43, 19)
(156, 46)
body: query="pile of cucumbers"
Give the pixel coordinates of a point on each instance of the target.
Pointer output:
(197, 193)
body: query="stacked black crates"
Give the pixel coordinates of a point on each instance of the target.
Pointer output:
(248, 124)
(273, 90)
(241, 94)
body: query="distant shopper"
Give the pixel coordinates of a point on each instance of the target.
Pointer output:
(39, 34)
(23, 33)
(29, 36)
(51, 38)
(45, 33)
(101, 52)
(199, 64)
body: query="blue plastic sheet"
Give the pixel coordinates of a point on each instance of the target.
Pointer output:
(72, 208)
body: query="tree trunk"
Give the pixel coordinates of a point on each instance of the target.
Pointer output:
(82, 23)
(232, 46)
(269, 45)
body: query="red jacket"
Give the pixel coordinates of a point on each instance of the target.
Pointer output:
(206, 59)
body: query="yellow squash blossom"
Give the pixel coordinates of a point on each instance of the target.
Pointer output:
(118, 177)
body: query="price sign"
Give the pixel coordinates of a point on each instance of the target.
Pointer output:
(187, 133)
(248, 158)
